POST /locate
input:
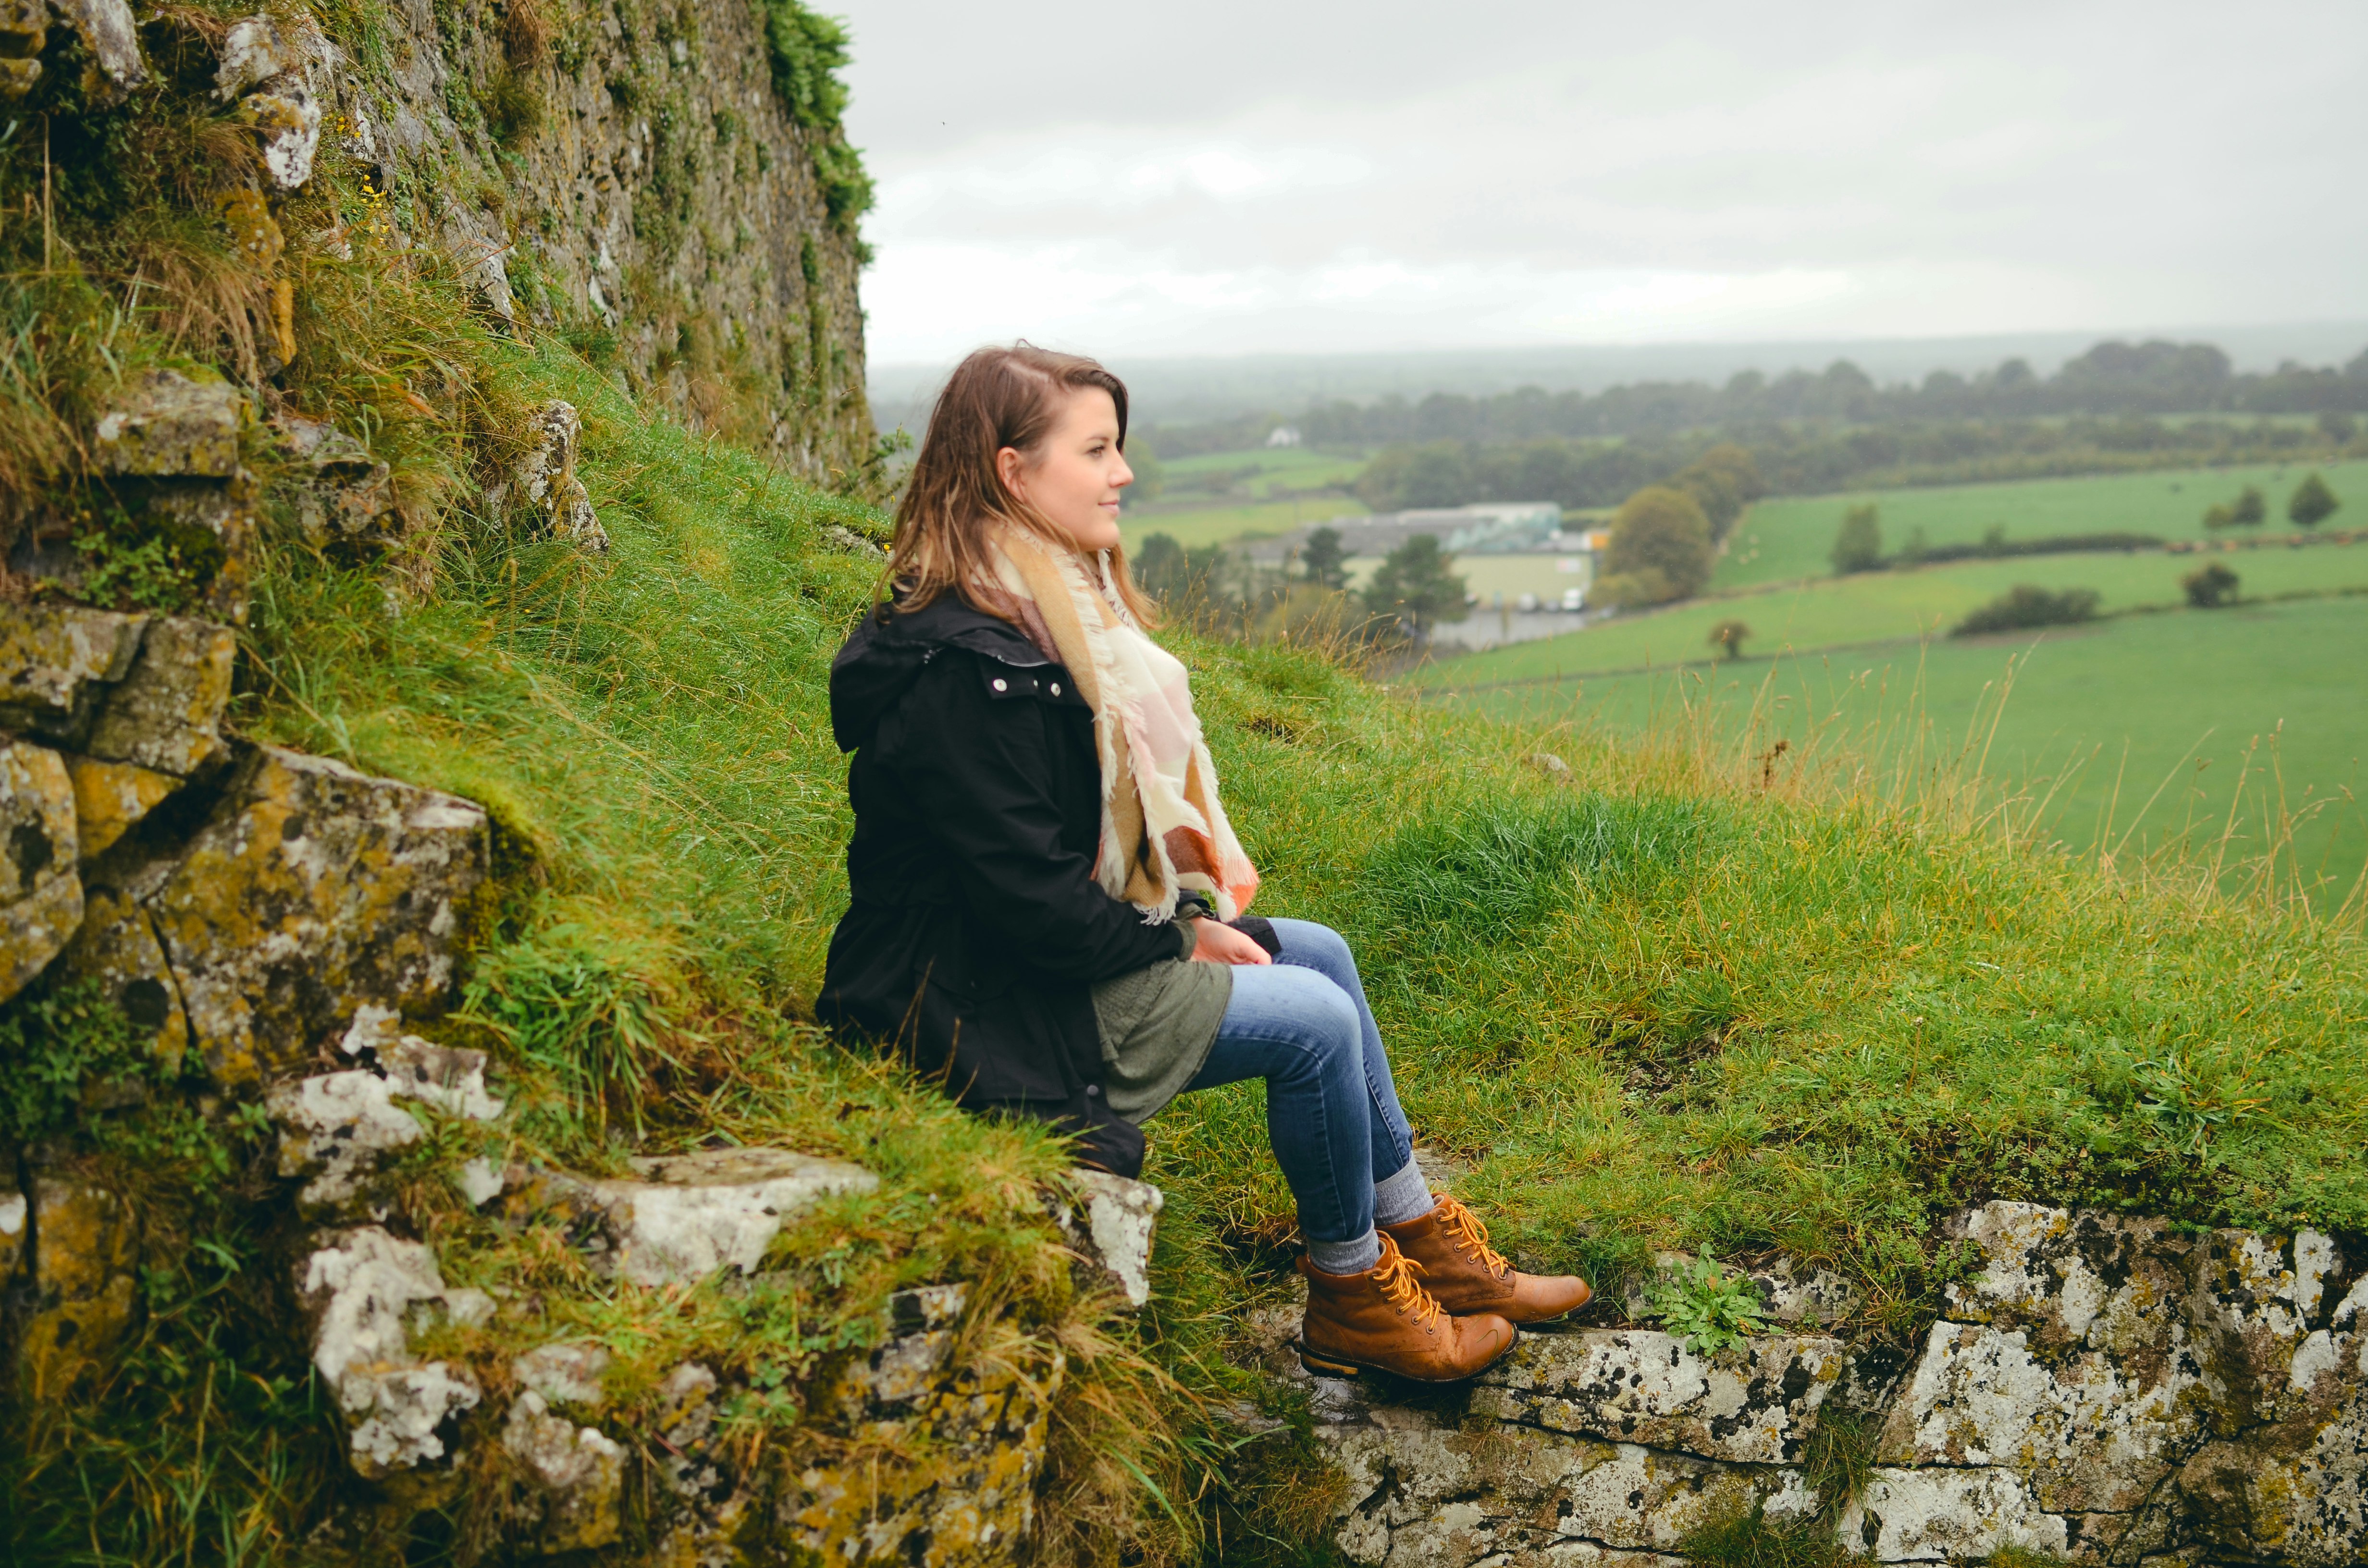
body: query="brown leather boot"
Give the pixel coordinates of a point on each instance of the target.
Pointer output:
(1466, 1275)
(1383, 1321)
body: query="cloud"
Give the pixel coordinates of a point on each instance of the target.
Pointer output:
(1242, 178)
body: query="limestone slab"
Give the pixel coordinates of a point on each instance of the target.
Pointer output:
(166, 712)
(116, 947)
(336, 1128)
(359, 1287)
(1428, 1495)
(1752, 1405)
(1113, 1232)
(693, 1215)
(1939, 1515)
(55, 660)
(312, 891)
(86, 1250)
(110, 38)
(576, 1501)
(2092, 1432)
(41, 888)
(110, 799)
(165, 423)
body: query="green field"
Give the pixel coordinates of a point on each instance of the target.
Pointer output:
(1266, 470)
(1789, 537)
(2187, 702)
(1875, 607)
(1197, 525)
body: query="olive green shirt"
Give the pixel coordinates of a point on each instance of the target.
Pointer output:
(1158, 1024)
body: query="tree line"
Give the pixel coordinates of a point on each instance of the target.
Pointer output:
(2112, 379)
(1814, 461)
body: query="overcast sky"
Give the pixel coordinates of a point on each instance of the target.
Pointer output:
(1225, 177)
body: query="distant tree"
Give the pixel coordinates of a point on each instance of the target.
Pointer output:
(2210, 587)
(2219, 514)
(1913, 550)
(1858, 546)
(1150, 474)
(1324, 560)
(1659, 529)
(2312, 502)
(1437, 474)
(2249, 510)
(1415, 584)
(2024, 605)
(1724, 480)
(1727, 638)
(1158, 568)
(2338, 426)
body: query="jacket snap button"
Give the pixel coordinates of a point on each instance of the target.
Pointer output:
(1094, 1091)
(1056, 688)
(1001, 684)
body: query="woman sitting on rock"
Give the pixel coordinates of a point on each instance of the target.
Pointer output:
(1039, 849)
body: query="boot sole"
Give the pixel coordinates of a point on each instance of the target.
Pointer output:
(1324, 1366)
(1565, 1315)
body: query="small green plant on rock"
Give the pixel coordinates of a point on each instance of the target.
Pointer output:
(1709, 1308)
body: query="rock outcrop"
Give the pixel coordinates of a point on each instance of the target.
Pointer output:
(967, 1434)
(2104, 1390)
(652, 187)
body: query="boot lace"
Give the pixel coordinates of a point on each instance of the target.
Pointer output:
(1395, 1275)
(1471, 1237)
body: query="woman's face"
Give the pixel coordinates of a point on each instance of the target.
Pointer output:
(1074, 475)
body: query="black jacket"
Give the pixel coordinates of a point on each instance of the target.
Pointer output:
(977, 929)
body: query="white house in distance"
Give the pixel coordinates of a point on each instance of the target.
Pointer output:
(1283, 436)
(1527, 565)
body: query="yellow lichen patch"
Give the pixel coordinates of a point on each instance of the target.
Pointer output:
(83, 1287)
(109, 797)
(40, 896)
(315, 890)
(252, 228)
(168, 713)
(949, 1483)
(116, 947)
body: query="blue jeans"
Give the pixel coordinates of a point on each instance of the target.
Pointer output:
(1302, 1024)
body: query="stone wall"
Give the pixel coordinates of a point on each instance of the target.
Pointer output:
(2103, 1390)
(624, 171)
(670, 192)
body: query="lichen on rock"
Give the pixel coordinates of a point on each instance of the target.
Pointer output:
(360, 1287)
(686, 1217)
(86, 1250)
(543, 482)
(168, 424)
(337, 1127)
(311, 891)
(40, 890)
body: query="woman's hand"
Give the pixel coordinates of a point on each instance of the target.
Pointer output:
(1220, 943)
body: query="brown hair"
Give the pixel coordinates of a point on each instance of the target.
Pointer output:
(995, 398)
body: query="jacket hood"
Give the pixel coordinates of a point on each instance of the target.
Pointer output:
(889, 648)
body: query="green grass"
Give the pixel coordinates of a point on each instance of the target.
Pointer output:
(2098, 720)
(1789, 537)
(1873, 606)
(1263, 471)
(1668, 1002)
(1197, 525)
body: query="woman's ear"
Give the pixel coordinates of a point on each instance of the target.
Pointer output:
(1009, 467)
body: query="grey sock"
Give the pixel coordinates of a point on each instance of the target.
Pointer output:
(1346, 1258)
(1403, 1197)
